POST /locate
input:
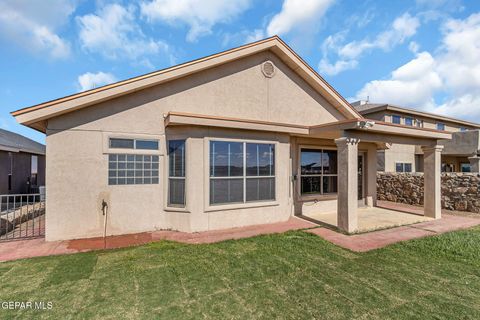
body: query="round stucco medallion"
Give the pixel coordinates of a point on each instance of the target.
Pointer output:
(268, 69)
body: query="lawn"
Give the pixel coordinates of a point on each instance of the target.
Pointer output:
(293, 275)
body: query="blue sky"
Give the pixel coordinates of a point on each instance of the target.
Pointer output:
(423, 54)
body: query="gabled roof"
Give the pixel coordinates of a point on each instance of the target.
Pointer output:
(10, 141)
(368, 108)
(36, 115)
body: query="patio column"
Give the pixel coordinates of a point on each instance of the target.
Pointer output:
(347, 202)
(474, 163)
(432, 181)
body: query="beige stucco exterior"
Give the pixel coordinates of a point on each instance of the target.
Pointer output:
(229, 99)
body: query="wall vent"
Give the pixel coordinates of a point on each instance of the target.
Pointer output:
(268, 69)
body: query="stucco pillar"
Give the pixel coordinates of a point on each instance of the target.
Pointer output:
(347, 184)
(432, 181)
(475, 163)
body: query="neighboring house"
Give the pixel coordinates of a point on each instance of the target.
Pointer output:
(459, 155)
(22, 164)
(252, 135)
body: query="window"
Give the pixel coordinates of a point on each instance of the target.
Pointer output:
(396, 119)
(403, 167)
(465, 167)
(176, 173)
(140, 144)
(318, 172)
(132, 169)
(409, 121)
(463, 129)
(34, 170)
(419, 123)
(241, 172)
(440, 126)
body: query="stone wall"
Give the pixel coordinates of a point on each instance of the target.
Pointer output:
(460, 191)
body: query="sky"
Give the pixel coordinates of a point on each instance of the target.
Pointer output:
(421, 54)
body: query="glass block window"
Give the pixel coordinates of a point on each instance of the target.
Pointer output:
(176, 173)
(241, 172)
(132, 169)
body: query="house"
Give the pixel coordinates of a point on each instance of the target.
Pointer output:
(248, 136)
(22, 164)
(460, 154)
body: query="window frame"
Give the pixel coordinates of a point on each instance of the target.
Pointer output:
(395, 116)
(34, 175)
(467, 164)
(133, 136)
(135, 141)
(403, 163)
(208, 207)
(319, 196)
(168, 177)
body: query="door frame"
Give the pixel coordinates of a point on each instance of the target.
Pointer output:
(361, 200)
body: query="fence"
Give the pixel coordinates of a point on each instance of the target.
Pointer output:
(22, 216)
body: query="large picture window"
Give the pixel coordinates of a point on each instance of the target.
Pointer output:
(241, 172)
(318, 172)
(176, 173)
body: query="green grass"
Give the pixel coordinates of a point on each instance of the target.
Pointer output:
(293, 275)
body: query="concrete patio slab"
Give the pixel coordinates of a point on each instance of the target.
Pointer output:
(378, 239)
(21, 249)
(372, 218)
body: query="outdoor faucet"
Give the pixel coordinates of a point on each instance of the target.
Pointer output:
(104, 206)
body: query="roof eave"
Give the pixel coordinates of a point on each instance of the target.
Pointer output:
(32, 115)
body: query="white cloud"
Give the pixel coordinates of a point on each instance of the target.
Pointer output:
(33, 25)
(402, 28)
(90, 80)
(453, 72)
(113, 32)
(199, 15)
(412, 84)
(296, 13)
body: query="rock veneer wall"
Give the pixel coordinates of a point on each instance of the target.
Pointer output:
(460, 191)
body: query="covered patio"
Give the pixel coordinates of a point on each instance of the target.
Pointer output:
(350, 215)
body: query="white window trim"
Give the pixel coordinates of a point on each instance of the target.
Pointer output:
(403, 165)
(233, 206)
(107, 150)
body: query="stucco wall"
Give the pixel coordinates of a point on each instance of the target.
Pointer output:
(399, 153)
(460, 191)
(77, 162)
